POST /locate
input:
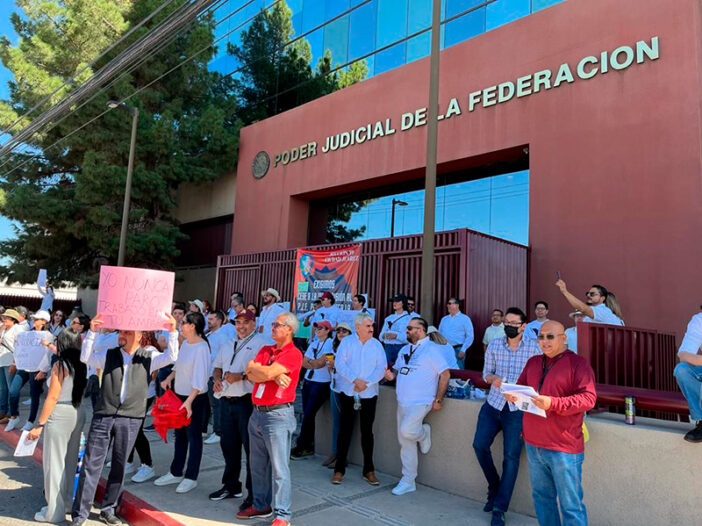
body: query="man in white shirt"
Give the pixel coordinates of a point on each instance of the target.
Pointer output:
(393, 333)
(541, 313)
(688, 373)
(360, 364)
(234, 392)
(457, 328)
(219, 339)
(270, 310)
(496, 329)
(422, 379)
(572, 332)
(596, 309)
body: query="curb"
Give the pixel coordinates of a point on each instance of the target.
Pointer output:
(132, 509)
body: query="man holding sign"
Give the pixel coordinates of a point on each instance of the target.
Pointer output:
(120, 410)
(565, 384)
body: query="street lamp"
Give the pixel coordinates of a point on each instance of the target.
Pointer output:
(392, 215)
(134, 111)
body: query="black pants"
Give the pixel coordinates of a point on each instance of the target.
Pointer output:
(234, 424)
(190, 437)
(123, 432)
(367, 413)
(141, 445)
(314, 395)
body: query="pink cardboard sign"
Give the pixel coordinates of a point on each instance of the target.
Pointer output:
(135, 299)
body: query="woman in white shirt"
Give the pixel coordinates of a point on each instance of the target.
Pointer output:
(342, 331)
(315, 391)
(191, 372)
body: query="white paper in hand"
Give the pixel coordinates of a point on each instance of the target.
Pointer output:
(25, 448)
(524, 395)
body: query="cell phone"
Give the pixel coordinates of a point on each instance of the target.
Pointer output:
(558, 275)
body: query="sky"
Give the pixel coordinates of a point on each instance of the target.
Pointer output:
(6, 29)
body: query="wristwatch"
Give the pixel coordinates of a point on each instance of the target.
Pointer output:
(243, 376)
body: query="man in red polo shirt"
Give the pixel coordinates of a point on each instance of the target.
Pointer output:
(565, 384)
(275, 372)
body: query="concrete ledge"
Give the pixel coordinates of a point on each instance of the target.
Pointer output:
(633, 475)
(132, 509)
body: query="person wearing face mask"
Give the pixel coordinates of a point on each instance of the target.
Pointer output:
(505, 359)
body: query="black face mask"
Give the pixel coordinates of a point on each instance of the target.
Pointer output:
(511, 332)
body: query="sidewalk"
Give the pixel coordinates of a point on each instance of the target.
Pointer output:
(315, 500)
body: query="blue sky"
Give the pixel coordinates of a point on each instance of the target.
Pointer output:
(6, 29)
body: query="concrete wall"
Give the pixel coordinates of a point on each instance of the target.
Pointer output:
(195, 283)
(204, 201)
(88, 298)
(641, 475)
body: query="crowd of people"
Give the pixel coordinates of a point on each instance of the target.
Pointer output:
(241, 369)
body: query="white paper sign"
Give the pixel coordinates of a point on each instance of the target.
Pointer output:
(25, 448)
(524, 394)
(41, 279)
(29, 352)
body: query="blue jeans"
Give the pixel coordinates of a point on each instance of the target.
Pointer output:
(270, 438)
(557, 475)
(689, 379)
(392, 350)
(5, 390)
(36, 387)
(190, 438)
(490, 422)
(336, 418)
(460, 361)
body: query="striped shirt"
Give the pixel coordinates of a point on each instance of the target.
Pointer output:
(506, 363)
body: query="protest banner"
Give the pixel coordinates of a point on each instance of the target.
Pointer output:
(135, 299)
(318, 271)
(41, 278)
(29, 352)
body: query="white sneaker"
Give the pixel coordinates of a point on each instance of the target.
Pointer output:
(425, 444)
(145, 473)
(404, 487)
(165, 480)
(13, 423)
(129, 468)
(40, 517)
(186, 485)
(28, 426)
(28, 401)
(212, 439)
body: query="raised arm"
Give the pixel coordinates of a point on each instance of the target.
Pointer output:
(171, 354)
(575, 302)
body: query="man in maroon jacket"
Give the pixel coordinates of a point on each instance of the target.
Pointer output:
(555, 446)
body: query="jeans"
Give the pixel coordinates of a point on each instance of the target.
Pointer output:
(190, 437)
(336, 419)
(235, 413)
(141, 445)
(490, 422)
(270, 438)
(36, 387)
(391, 351)
(460, 361)
(348, 415)
(689, 379)
(314, 395)
(557, 475)
(410, 431)
(5, 390)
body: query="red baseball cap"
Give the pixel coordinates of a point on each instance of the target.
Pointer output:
(247, 314)
(323, 323)
(327, 295)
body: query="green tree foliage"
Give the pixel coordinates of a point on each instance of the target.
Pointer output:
(68, 199)
(275, 73)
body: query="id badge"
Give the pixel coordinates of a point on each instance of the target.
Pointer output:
(259, 391)
(404, 370)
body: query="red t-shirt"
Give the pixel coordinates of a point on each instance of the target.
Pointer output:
(289, 357)
(570, 382)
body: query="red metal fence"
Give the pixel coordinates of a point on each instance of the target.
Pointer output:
(484, 271)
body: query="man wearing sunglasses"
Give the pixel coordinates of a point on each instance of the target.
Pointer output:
(422, 379)
(505, 359)
(457, 328)
(555, 444)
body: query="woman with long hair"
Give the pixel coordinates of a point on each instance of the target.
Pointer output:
(447, 351)
(191, 372)
(600, 307)
(62, 418)
(141, 445)
(342, 331)
(58, 322)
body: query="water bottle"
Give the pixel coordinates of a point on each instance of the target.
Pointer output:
(356, 402)
(81, 454)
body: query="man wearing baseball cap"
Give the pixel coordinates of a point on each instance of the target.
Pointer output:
(234, 393)
(393, 334)
(270, 310)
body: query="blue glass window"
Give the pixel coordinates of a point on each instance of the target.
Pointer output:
(335, 7)
(390, 58)
(362, 29)
(336, 40)
(419, 17)
(537, 5)
(392, 21)
(465, 27)
(504, 11)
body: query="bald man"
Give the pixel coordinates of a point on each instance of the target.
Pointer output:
(555, 445)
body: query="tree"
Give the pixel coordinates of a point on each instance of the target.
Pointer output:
(67, 198)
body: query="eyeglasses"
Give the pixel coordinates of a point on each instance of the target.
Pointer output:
(343, 331)
(412, 327)
(549, 336)
(410, 304)
(317, 328)
(513, 324)
(275, 325)
(591, 294)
